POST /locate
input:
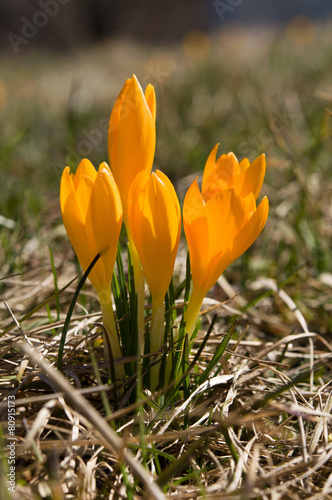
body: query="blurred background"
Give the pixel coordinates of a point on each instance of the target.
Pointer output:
(72, 23)
(254, 75)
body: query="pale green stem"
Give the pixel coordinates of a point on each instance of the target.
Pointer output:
(139, 289)
(192, 311)
(190, 317)
(105, 299)
(168, 368)
(156, 339)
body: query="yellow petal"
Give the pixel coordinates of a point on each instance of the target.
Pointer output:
(83, 195)
(150, 97)
(226, 214)
(84, 169)
(113, 127)
(160, 228)
(244, 164)
(136, 199)
(66, 187)
(196, 229)
(170, 190)
(209, 166)
(155, 225)
(77, 231)
(193, 203)
(105, 210)
(253, 177)
(251, 230)
(244, 238)
(104, 225)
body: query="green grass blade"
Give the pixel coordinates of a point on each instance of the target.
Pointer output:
(70, 311)
(217, 355)
(56, 288)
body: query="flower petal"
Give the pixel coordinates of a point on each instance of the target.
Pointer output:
(84, 169)
(150, 97)
(253, 177)
(196, 229)
(104, 224)
(155, 225)
(209, 166)
(246, 236)
(66, 187)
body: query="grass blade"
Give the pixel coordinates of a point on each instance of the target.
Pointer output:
(70, 311)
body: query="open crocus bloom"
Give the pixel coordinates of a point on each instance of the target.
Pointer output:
(92, 215)
(155, 224)
(132, 135)
(227, 172)
(218, 231)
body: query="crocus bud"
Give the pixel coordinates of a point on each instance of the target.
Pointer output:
(155, 224)
(132, 136)
(227, 172)
(92, 214)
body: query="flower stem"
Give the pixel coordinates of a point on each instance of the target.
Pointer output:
(192, 311)
(156, 339)
(105, 299)
(139, 288)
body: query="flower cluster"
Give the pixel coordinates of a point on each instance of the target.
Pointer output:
(220, 221)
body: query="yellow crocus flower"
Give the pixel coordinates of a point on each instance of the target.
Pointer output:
(218, 231)
(155, 224)
(92, 214)
(132, 135)
(131, 148)
(227, 172)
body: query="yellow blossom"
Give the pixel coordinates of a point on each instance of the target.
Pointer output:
(92, 215)
(220, 225)
(155, 224)
(132, 135)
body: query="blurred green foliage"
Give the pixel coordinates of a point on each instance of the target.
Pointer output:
(262, 91)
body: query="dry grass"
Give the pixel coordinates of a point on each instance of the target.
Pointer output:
(279, 430)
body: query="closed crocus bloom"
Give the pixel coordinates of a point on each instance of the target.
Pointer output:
(155, 224)
(131, 148)
(132, 135)
(228, 172)
(92, 214)
(218, 231)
